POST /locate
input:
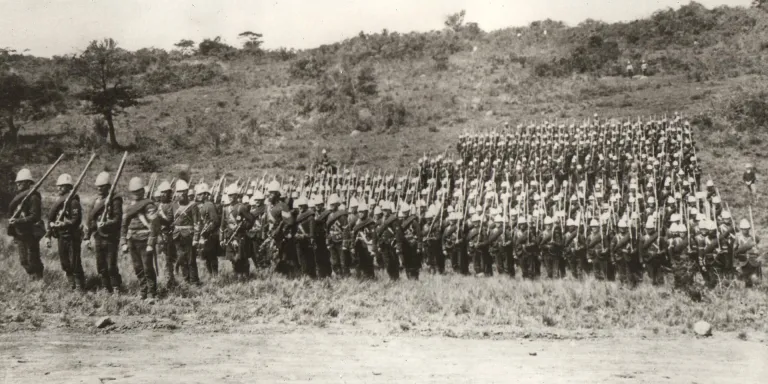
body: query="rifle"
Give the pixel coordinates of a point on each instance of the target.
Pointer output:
(72, 193)
(112, 187)
(35, 187)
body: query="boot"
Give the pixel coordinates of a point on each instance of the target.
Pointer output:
(72, 284)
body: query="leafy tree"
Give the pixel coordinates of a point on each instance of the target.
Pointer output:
(252, 41)
(20, 99)
(105, 69)
(186, 46)
(214, 47)
(366, 81)
(455, 21)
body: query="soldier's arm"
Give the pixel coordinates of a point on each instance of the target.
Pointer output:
(245, 214)
(75, 213)
(152, 216)
(35, 210)
(117, 214)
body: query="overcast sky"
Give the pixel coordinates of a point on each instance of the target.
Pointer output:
(53, 27)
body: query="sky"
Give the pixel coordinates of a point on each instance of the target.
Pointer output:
(56, 27)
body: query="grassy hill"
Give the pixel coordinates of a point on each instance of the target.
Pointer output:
(229, 110)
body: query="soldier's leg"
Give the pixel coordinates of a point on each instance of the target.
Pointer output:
(306, 259)
(336, 256)
(392, 262)
(134, 248)
(171, 257)
(65, 258)
(102, 265)
(410, 262)
(189, 266)
(454, 254)
(463, 259)
(112, 249)
(23, 251)
(610, 268)
(35, 262)
(509, 262)
(77, 263)
(437, 250)
(210, 253)
(487, 262)
(323, 261)
(148, 258)
(476, 261)
(346, 262)
(242, 264)
(365, 263)
(501, 260)
(549, 263)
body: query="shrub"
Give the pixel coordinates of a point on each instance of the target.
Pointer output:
(748, 111)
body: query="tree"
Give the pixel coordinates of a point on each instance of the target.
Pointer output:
(14, 91)
(456, 20)
(187, 47)
(105, 68)
(20, 99)
(252, 41)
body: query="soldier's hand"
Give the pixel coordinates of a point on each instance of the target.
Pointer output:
(150, 248)
(48, 242)
(99, 224)
(11, 221)
(88, 244)
(125, 248)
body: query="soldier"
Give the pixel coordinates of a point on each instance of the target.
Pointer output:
(432, 243)
(745, 254)
(281, 233)
(651, 254)
(525, 248)
(65, 226)
(750, 179)
(388, 233)
(206, 230)
(256, 232)
(623, 253)
(451, 239)
(139, 236)
(27, 228)
(165, 243)
(551, 242)
(363, 243)
(304, 251)
(318, 240)
(335, 225)
(412, 242)
(236, 219)
(683, 267)
(706, 245)
(185, 214)
(575, 244)
(352, 217)
(106, 233)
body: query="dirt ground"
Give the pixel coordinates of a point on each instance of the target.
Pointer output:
(341, 356)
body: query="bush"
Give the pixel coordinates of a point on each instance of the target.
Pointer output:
(310, 67)
(148, 163)
(748, 111)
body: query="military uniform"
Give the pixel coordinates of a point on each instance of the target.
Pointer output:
(322, 253)
(69, 237)
(206, 236)
(304, 251)
(184, 217)
(746, 257)
(624, 258)
(106, 239)
(281, 237)
(412, 242)
(236, 219)
(139, 232)
(389, 236)
(364, 247)
(256, 236)
(336, 224)
(652, 255)
(27, 232)
(165, 243)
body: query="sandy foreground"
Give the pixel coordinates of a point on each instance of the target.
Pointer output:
(341, 356)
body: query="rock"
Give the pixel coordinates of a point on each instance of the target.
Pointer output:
(104, 322)
(532, 353)
(364, 114)
(376, 373)
(405, 326)
(702, 328)
(489, 113)
(477, 104)
(354, 133)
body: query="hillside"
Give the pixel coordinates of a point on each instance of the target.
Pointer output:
(227, 110)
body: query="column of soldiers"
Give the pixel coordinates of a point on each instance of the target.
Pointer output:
(613, 200)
